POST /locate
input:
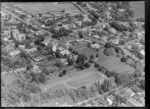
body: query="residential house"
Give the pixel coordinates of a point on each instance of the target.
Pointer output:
(31, 50)
(39, 58)
(63, 52)
(96, 36)
(66, 26)
(142, 52)
(130, 92)
(22, 47)
(134, 102)
(96, 45)
(14, 53)
(104, 39)
(114, 41)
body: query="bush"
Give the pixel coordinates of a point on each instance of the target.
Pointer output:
(109, 51)
(41, 78)
(123, 59)
(96, 65)
(33, 88)
(87, 65)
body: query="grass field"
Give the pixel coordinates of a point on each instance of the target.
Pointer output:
(85, 77)
(87, 51)
(85, 80)
(43, 7)
(113, 63)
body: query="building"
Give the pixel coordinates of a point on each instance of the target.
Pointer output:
(14, 53)
(142, 52)
(96, 45)
(129, 91)
(66, 26)
(63, 52)
(96, 36)
(134, 102)
(31, 50)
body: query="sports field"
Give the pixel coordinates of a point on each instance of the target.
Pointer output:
(43, 7)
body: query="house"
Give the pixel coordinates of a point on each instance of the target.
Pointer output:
(129, 91)
(114, 41)
(21, 46)
(104, 39)
(96, 36)
(96, 45)
(66, 26)
(31, 50)
(39, 58)
(134, 102)
(14, 53)
(121, 10)
(142, 52)
(136, 89)
(63, 52)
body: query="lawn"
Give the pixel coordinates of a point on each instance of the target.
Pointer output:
(87, 51)
(113, 63)
(85, 78)
(43, 7)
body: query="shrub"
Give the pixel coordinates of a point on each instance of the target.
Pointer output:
(41, 78)
(109, 51)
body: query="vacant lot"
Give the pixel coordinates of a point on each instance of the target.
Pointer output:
(43, 7)
(113, 63)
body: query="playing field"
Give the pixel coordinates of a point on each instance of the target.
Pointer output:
(43, 7)
(113, 63)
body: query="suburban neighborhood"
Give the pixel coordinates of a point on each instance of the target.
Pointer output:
(76, 54)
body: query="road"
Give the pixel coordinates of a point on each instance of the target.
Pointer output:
(78, 104)
(80, 8)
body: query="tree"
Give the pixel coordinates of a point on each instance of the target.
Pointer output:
(97, 55)
(87, 65)
(93, 90)
(59, 64)
(70, 61)
(41, 78)
(59, 93)
(96, 65)
(33, 88)
(142, 84)
(106, 85)
(73, 95)
(121, 99)
(122, 79)
(123, 59)
(70, 49)
(81, 58)
(109, 51)
(58, 54)
(107, 45)
(80, 66)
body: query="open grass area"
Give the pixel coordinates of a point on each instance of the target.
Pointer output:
(85, 80)
(113, 63)
(87, 51)
(82, 78)
(43, 7)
